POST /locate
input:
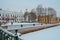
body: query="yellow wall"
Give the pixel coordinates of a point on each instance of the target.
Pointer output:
(48, 19)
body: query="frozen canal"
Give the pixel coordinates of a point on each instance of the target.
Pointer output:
(46, 34)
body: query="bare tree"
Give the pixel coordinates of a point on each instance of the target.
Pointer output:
(32, 16)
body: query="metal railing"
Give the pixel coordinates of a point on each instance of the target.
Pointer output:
(6, 35)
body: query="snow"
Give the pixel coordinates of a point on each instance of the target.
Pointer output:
(25, 25)
(6, 31)
(46, 34)
(7, 24)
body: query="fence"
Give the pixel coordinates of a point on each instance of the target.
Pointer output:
(6, 35)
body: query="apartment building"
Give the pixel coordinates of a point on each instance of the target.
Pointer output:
(10, 16)
(48, 19)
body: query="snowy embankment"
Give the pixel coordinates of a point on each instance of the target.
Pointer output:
(28, 25)
(36, 26)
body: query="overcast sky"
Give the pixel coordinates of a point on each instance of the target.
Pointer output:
(17, 5)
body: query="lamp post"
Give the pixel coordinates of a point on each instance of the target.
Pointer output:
(16, 36)
(16, 31)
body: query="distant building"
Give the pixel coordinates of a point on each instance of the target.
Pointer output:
(30, 16)
(10, 16)
(48, 19)
(26, 16)
(45, 15)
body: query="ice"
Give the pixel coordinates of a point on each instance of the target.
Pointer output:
(46, 34)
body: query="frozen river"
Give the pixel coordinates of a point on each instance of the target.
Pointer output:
(46, 34)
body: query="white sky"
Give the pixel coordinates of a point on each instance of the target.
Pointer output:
(17, 5)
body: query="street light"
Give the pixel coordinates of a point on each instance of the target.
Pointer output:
(16, 36)
(16, 31)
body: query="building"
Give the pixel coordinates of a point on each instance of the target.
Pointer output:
(10, 16)
(30, 16)
(46, 15)
(26, 16)
(48, 19)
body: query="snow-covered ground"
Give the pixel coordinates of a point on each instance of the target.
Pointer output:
(25, 25)
(46, 34)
